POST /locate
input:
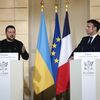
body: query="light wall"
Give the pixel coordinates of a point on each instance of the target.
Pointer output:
(95, 9)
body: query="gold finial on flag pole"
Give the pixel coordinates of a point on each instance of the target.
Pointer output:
(42, 5)
(67, 2)
(56, 6)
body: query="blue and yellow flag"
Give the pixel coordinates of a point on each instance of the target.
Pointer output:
(42, 75)
(56, 45)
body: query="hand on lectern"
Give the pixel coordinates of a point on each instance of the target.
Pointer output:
(71, 58)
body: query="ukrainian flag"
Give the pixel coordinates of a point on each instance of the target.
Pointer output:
(42, 75)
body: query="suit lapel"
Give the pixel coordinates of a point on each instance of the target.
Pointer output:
(95, 40)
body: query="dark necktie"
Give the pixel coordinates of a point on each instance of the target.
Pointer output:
(90, 39)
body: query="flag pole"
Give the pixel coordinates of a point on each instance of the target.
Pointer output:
(42, 9)
(61, 96)
(68, 91)
(63, 70)
(42, 76)
(66, 5)
(42, 5)
(56, 6)
(58, 97)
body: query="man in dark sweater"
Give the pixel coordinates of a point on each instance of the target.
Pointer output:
(11, 45)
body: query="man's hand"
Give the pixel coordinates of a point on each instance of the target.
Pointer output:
(23, 49)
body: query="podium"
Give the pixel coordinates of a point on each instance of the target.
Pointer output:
(11, 79)
(85, 82)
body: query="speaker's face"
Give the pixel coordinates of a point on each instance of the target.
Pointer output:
(90, 29)
(10, 34)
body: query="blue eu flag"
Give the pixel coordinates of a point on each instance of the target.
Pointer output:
(56, 45)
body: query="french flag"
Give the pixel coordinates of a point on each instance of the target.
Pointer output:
(63, 76)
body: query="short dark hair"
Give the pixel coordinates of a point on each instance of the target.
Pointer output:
(95, 23)
(9, 26)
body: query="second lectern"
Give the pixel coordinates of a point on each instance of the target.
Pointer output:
(85, 76)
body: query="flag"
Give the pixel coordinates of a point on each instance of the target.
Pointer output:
(56, 45)
(63, 70)
(42, 75)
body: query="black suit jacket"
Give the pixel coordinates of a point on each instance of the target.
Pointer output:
(84, 47)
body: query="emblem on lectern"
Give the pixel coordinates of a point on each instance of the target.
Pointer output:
(88, 67)
(3, 67)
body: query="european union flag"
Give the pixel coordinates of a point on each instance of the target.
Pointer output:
(56, 45)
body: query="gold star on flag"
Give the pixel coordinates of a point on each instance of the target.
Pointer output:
(54, 45)
(53, 53)
(58, 39)
(56, 60)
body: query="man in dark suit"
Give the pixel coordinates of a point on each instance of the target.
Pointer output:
(90, 43)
